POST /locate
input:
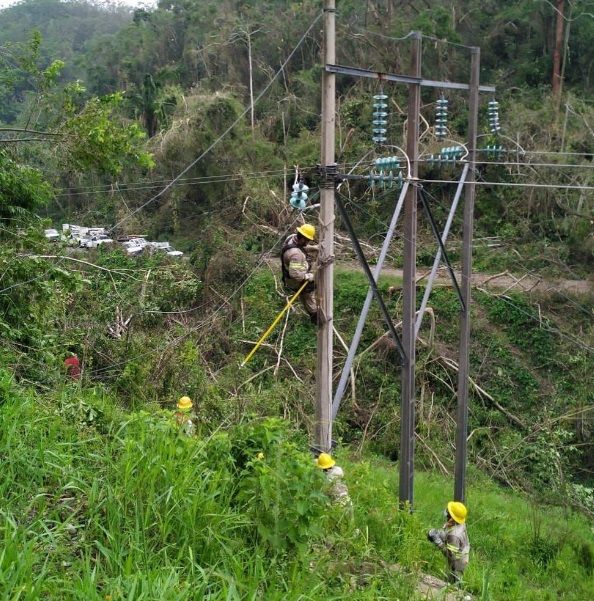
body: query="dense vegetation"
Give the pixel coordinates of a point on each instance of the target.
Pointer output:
(100, 109)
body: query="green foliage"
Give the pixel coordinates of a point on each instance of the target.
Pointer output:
(159, 516)
(23, 189)
(97, 140)
(522, 324)
(68, 28)
(282, 490)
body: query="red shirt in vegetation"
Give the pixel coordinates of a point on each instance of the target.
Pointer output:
(72, 365)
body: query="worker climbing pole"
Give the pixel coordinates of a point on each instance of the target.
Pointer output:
(296, 266)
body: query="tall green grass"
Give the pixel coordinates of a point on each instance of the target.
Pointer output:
(102, 504)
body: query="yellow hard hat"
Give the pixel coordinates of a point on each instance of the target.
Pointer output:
(325, 461)
(185, 403)
(307, 231)
(458, 511)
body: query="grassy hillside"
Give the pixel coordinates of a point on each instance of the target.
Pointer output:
(102, 503)
(102, 499)
(190, 329)
(101, 496)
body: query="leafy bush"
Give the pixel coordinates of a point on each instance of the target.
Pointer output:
(283, 493)
(23, 189)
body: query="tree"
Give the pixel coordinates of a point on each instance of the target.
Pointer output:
(557, 52)
(88, 135)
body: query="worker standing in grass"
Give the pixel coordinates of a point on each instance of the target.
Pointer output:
(339, 492)
(184, 416)
(296, 267)
(452, 539)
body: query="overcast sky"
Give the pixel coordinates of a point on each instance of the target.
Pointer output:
(5, 3)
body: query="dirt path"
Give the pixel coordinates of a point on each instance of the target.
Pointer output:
(430, 587)
(502, 281)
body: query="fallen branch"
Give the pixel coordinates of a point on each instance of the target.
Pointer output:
(256, 376)
(373, 412)
(346, 348)
(65, 258)
(496, 276)
(281, 344)
(453, 365)
(443, 468)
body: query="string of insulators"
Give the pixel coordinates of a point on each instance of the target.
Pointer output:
(450, 154)
(494, 116)
(493, 151)
(380, 118)
(299, 195)
(441, 118)
(387, 173)
(384, 163)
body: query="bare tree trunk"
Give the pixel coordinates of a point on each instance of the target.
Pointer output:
(556, 81)
(249, 43)
(566, 45)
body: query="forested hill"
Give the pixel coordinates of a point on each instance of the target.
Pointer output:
(184, 41)
(68, 29)
(189, 122)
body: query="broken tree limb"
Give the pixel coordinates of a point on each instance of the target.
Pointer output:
(453, 365)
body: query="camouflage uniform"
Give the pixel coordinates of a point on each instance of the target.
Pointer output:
(339, 493)
(297, 269)
(454, 544)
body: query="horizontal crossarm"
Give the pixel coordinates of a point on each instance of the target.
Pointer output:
(408, 79)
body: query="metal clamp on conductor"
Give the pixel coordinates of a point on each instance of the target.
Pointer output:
(328, 175)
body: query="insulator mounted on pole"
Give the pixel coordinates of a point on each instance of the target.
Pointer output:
(380, 118)
(387, 173)
(447, 155)
(441, 117)
(494, 116)
(299, 195)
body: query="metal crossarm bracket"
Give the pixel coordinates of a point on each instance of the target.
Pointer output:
(408, 79)
(437, 235)
(365, 265)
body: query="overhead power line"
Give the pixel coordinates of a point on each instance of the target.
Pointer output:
(512, 184)
(204, 179)
(515, 164)
(124, 185)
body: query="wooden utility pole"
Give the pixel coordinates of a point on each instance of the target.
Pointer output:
(407, 403)
(464, 366)
(325, 271)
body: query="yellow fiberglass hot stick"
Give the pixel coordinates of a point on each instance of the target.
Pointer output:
(273, 325)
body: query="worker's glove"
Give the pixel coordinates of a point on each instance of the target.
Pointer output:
(309, 277)
(433, 536)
